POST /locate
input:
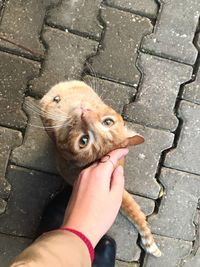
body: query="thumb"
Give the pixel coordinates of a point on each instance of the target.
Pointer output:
(117, 181)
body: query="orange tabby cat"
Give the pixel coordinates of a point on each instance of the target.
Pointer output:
(84, 129)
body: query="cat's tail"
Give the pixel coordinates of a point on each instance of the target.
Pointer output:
(138, 218)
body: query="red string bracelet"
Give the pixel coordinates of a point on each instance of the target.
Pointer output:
(84, 238)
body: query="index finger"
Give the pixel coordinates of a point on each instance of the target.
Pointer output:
(109, 162)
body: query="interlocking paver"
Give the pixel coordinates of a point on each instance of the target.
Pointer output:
(118, 51)
(8, 140)
(142, 161)
(125, 233)
(37, 151)
(113, 94)
(79, 15)
(174, 31)
(10, 247)
(186, 156)
(178, 206)
(147, 8)
(65, 58)
(25, 26)
(174, 251)
(126, 264)
(30, 192)
(193, 260)
(192, 90)
(15, 73)
(158, 92)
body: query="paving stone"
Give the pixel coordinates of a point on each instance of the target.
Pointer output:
(8, 140)
(126, 264)
(30, 192)
(158, 91)
(15, 73)
(125, 233)
(113, 94)
(147, 8)
(80, 16)
(192, 260)
(178, 206)
(10, 247)
(118, 51)
(23, 30)
(174, 31)
(186, 156)
(37, 151)
(198, 41)
(65, 59)
(192, 90)
(142, 161)
(173, 252)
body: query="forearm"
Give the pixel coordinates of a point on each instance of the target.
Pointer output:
(55, 249)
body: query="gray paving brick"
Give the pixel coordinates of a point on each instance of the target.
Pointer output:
(65, 58)
(8, 140)
(126, 264)
(174, 31)
(198, 41)
(193, 260)
(15, 73)
(192, 90)
(118, 51)
(173, 252)
(37, 151)
(80, 16)
(158, 91)
(25, 26)
(186, 156)
(10, 247)
(142, 161)
(147, 8)
(125, 233)
(30, 192)
(178, 206)
(113, 94)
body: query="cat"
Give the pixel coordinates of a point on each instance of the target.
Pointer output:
(85, 129)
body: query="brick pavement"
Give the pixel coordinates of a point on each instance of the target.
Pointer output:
(142, 58)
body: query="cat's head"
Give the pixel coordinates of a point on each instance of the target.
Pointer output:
(82, 126)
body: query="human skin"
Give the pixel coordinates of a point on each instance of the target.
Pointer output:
(97, 197)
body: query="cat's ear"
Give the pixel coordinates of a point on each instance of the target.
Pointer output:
(132, 138)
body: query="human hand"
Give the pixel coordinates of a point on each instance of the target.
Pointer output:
(96, 197)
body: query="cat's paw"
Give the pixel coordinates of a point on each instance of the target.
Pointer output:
(151, 248)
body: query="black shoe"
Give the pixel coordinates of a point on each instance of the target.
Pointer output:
(105, 253)
(52, 219)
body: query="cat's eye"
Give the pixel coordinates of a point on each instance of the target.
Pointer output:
(108, 122)
(56, 99)
(84, 140)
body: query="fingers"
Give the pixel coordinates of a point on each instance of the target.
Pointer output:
(117, 182)
(109, 162)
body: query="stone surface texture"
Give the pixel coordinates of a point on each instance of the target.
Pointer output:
(163, 87)
(118, 49)
(147, 8)
(80, 16)
(141, 58)
(174, 251)
(173, 34)
(142, 161)
(27, 17)
(64, 60)
(37, 151)
(15, 74)
(125, 234)
(192, 90)
(108, 91)
(186, 156)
